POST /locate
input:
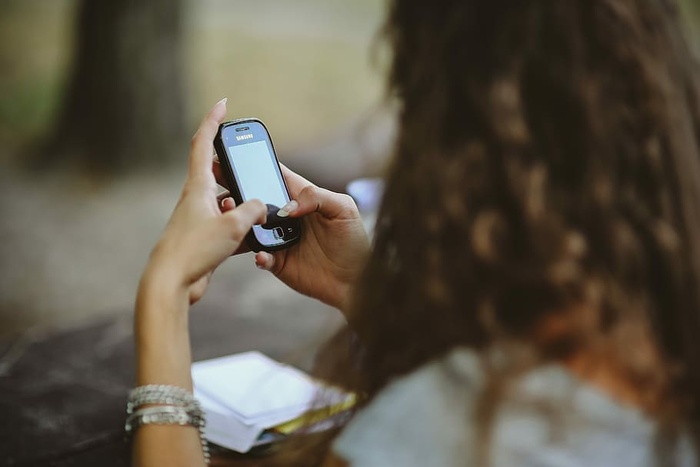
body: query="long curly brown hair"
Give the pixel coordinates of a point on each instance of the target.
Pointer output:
(548, 159)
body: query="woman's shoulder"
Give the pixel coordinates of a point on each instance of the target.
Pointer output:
(457, 374)
(426, 409)
(547, 417)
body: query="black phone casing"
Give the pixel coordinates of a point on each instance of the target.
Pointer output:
(290, 226)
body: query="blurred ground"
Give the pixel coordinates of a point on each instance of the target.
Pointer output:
(72, 249)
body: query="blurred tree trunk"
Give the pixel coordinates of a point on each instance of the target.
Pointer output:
(124, 105)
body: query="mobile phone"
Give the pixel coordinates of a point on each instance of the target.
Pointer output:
(252, 170)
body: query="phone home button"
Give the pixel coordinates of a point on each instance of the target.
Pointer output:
(278, 233)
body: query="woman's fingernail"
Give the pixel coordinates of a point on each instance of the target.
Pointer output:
(260, 266)
(222, 101)
(288, 208)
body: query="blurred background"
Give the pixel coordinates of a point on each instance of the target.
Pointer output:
(97, 104)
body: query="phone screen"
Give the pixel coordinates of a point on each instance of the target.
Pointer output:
(257, 174)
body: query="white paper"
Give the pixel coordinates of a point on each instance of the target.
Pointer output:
(253, 385)
(226, 430)
(245, 394)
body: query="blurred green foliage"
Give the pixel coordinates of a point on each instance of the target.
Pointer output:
(690, 10)
(34, 51)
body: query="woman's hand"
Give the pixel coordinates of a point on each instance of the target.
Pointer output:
(201, 233)
(333, 247)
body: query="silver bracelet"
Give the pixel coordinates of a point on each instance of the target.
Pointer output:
(159, 415)
(176, 407)
(161, 394)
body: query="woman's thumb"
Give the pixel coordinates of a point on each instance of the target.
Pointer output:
(315, 199)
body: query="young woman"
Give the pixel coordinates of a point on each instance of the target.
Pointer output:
(532, 294)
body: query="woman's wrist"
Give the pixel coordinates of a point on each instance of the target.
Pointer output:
(161, 288)
(164, 271)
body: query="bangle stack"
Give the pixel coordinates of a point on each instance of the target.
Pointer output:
(166, 405)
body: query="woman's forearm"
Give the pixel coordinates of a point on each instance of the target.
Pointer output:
(164, 357)
(162, 335)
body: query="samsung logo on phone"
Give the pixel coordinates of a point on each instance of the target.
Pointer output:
(242, 137)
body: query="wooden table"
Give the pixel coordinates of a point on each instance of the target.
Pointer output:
(63, 394)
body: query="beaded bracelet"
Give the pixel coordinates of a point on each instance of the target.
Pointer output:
(171, 405)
